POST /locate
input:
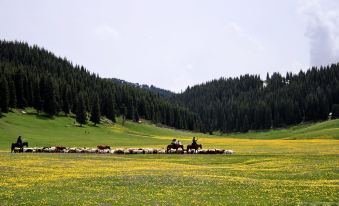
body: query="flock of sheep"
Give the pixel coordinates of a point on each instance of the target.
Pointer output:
(108, 150)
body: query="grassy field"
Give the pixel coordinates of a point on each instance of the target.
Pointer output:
(293, 166)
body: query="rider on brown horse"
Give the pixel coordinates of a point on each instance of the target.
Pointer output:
(19, 141)
(194, 142)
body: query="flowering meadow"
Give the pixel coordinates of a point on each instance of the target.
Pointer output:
(297, 168)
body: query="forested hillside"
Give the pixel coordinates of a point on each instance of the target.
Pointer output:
(153, 89)
(249, 103)
(33, 77)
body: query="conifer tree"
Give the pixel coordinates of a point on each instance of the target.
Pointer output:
(95, 112)
(19, 87)
(335, 111)
(4, 95)
(50, 103)
(66, 107)
(81, 116)
(110, 107)
(37, 102)
(12, 93)
(245, 125)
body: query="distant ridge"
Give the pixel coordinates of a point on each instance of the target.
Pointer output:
(155, 90)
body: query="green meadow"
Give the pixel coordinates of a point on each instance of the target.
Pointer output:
(293, 166)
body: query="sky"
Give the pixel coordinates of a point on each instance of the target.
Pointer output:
(173, 44)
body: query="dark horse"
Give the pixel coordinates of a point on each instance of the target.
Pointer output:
(193, 147)
(174, 146)
(21, 146)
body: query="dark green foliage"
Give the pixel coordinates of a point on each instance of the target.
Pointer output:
(245, 125)
(37, 101)
(12, 93)
(81, 115)
(95, 112)
(4, 95)
(224, 104)
(109, 107)
(36, 78)
(66, 100)
(52, 84)
(19, 87)
(335, 111)
(50, 103)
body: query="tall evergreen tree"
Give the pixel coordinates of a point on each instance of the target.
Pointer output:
(95, 112)
(66, 104)
(19, 87)
(50, 103)
(37, 102)
(4, 95)
(110, 107)
(335, 111)
(12, 93)
(81, 115)
(245, 125)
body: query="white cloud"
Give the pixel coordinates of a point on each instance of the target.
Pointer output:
(105, 30)
(237, 30)
(322, 22)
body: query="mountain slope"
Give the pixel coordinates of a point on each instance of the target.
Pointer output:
(249, 103)
(34, 77)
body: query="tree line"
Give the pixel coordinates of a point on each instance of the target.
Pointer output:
(34, 77)
(249, 103)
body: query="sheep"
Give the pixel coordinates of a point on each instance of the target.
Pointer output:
(72, 150)
(28, 150)
(161, 151)
(228, 152)
(119, 151)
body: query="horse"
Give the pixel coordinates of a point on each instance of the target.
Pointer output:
(59, 148)
(174, 146)
(101, 147)
(14, 145)
(193, 147)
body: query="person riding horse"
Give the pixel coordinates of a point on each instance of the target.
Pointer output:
(194, 146)
(175, 144)
(19, 141)
(19, 144)
(194, 142)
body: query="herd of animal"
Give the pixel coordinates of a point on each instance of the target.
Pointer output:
(105, 149)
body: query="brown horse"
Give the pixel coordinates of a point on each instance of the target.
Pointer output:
(175, 146)
(193, 147)
(101, 147)
(21, 146)
(59, 148)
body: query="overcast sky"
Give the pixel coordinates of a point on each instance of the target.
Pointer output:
(176, 43)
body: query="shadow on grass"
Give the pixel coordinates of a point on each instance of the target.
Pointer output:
(40, 115)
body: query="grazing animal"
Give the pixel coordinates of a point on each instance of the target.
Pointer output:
(59, 148)
(193, 148)
(102, 147)
(174, 146)
(21, 146)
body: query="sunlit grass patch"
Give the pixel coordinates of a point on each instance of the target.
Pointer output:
(159, 179)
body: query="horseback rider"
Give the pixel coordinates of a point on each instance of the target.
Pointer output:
(174, 142)
(19, 141)
(194, 142)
